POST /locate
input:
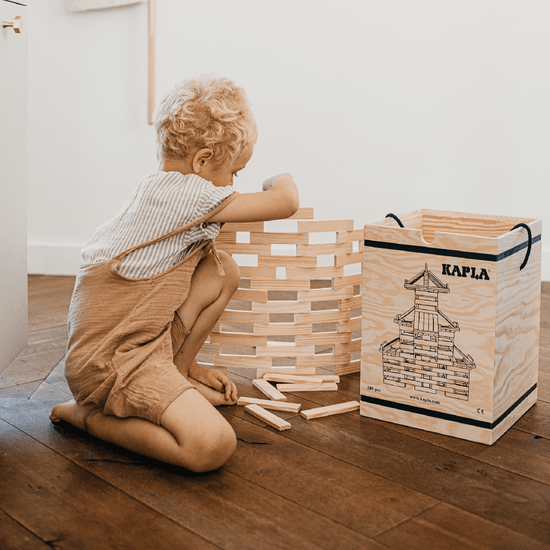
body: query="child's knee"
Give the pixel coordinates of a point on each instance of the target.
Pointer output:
(212, 449)
(232, 277)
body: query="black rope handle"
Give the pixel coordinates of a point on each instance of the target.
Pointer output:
(529, 242)
(390, 215)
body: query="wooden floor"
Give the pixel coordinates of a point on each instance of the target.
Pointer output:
(342, 482)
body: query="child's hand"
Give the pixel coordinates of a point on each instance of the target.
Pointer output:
(216, 380)
(269, 183)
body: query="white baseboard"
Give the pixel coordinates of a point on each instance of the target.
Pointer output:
(64, 259)
(53, 259)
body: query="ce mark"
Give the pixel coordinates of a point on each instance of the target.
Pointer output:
(481, 411)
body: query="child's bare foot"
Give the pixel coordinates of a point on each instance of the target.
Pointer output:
(73, 413)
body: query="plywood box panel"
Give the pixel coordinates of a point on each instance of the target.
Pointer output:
(450, 328)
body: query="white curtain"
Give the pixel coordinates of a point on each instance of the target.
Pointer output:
(84, 5)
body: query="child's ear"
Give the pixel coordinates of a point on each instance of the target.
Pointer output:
(201, 159)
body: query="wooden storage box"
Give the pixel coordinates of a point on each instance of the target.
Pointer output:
(451, 318)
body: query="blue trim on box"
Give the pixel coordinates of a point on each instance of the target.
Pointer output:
(451, 253)
(447, 416)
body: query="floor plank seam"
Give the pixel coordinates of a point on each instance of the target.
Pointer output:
(536, 436)
(284, 434)
(224, 468)
(32, 533)
(477, 459)
(397, 525)
(23, 383)
(140, 502)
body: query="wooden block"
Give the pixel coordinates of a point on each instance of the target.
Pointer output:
(247, 295)
(269, 418)
(330, 410)
(348, 259)
(280, 306)
(285, 351)
(349, 368)
(323, 294)
(274, 329)
(233, 227)
(268, 404)
(307, 387)
(302, 214)
(350, 236)
(348, 281)
(299, 371)
(351, 303)
(245, 248)
(279, 284)
(352, 324)
(317, 379)
(324, 249)
(253, 273)
(314, 272)
(325, 226)
(267, 389)
(287, 261)
(237, 339)
(234, 316)
(322, 338)
(326, 316)
(279, 238)
(226, 237)
(243, 361)
(327, 360)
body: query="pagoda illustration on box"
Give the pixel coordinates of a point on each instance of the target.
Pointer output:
(425, 356)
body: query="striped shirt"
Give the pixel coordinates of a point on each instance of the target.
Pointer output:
(162, 202)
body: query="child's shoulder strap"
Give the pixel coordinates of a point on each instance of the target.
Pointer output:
(202, 219)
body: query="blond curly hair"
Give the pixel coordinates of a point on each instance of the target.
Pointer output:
(205, 112)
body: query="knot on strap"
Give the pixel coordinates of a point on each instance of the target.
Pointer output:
(219, 266)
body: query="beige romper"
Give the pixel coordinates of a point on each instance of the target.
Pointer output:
(124, 332)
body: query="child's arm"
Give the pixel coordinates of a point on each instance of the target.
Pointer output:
(278, 200)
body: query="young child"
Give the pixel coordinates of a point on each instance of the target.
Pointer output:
(152, 286)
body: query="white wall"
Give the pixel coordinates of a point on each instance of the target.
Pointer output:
(373, 105)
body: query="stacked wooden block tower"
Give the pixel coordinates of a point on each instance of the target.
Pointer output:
(299, 304)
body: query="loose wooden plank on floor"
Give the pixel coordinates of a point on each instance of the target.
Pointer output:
(268, 417)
